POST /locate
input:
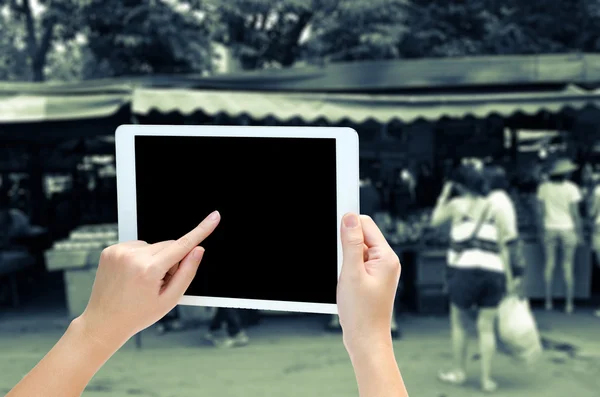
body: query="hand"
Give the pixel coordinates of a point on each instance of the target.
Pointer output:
(139, 283)
(514, 287)
(367, 285)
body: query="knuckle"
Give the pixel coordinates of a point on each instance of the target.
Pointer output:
(355, 242)
(106, 254)
(394, 260)
(185, 242)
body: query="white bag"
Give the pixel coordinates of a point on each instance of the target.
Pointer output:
(517, 329)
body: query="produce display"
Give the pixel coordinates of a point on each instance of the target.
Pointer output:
(82, 248)
(414, 229)
(89, 237)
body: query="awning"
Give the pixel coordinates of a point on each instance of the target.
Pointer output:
(358, 108)
(30, 102)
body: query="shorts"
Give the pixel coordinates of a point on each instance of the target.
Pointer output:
(483, 289)
(567, 238)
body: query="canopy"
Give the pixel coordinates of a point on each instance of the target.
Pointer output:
(336, 107)
(29, 102)
(355, 91)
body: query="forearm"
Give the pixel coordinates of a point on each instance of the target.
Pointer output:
(376, 369)
(67, 369)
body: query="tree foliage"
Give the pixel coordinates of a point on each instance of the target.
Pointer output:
(78, 39)
(263, 33)
(491, 27)
(33, 33)
(148, 36)
(359, 30)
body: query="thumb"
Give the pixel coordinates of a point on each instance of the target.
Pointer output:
(181, 280)
(353, 242)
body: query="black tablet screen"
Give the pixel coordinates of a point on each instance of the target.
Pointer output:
(277, 239)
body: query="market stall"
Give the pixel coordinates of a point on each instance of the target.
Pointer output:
(78, 257)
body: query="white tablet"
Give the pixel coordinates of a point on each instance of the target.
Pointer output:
(281, 192)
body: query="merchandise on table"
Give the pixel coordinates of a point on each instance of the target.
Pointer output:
(82, 248)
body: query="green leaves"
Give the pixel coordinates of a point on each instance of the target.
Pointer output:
(74, 39)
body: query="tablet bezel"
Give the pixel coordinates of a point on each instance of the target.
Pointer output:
(347, 178)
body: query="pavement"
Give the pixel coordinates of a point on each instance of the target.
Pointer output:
(293, 357)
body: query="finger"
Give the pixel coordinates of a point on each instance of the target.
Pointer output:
(372, 234)
(172, 270)
(181, 280)
(352, 243)
(155, 248)
(177, 250)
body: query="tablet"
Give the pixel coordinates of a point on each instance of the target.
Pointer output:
(281, 192)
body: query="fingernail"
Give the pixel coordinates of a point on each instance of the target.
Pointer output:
(351, 221)
(214, 216)
(198, 253)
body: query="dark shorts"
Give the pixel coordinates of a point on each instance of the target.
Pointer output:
(468, 288)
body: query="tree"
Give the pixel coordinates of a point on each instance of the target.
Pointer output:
(264, 33)
(359, 30)
(13, 59)
(490, 27)
(38, 31)
(136, 37)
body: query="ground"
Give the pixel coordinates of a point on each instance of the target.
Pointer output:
(294, 357)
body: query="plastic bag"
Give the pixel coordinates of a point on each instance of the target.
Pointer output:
(517, 329)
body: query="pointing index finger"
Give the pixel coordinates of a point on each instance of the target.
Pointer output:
(176, 251)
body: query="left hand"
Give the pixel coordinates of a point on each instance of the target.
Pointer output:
(514, 287)
(139, 283)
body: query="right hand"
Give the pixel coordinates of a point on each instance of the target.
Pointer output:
(367, 284)
(139, 283)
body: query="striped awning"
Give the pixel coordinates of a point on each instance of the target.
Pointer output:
(336, 107)
(25, 103)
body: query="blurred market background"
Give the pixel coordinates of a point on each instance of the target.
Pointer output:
(424, 82)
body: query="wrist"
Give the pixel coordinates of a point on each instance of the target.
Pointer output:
(365, 347)
(91, 335)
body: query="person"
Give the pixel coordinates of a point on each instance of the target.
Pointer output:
(560, 226)
(370, 204)
(138, 283)
(498, 197)
(236, 335)
(478, 269)
(594, 213)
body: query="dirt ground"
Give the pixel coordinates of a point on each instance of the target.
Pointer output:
(294, 357)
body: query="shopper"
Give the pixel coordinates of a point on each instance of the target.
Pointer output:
(478, 268)
(499, 198)
(560, 226)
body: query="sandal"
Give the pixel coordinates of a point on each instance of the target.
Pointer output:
(453, 377)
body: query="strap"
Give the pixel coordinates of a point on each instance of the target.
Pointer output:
(478, 226)
(480, 221)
